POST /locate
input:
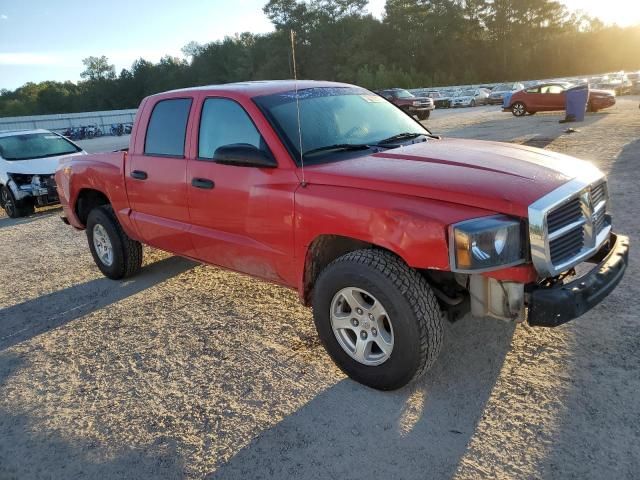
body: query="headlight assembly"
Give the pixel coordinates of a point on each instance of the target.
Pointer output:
(486, 243)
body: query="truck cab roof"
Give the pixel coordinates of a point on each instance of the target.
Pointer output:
(259, 87)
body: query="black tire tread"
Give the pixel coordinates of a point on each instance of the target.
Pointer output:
(131, 249)
(416, 290)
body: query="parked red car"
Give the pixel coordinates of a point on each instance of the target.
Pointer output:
(381, 226)
(548, 97)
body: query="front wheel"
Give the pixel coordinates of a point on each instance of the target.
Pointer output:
(377, 318)
(424, 115)
(116, 255)
(518, 109)
(12, 207)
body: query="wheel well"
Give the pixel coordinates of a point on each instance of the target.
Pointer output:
(88, 200)
(324, 250)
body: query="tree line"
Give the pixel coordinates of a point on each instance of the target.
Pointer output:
(417, 43)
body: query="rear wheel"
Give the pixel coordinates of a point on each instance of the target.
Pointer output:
(116, 255)
(518, 109)
(377, 318)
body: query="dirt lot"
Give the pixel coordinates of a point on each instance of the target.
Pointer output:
(191, 371)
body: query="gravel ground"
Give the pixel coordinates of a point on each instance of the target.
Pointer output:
(192, 371)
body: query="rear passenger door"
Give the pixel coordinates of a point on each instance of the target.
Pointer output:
(156, 175)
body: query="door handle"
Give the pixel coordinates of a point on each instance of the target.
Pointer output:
(203, 183)
(139, 175)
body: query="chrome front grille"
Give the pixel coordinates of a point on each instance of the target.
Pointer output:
(566, 247)
(568, 225)
(565, 215)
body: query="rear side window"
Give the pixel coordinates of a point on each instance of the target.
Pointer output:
(224, 122)
(168, 128)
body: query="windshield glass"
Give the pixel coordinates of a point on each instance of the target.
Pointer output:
(403, 94)
(334, 116)
(35, 145)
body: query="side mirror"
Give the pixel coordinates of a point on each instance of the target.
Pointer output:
(243, 155)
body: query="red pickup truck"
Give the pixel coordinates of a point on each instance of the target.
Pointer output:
(384, 228)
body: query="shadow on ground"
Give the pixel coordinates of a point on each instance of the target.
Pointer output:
(12, 222)
(417, 432)
(29, 453)
(26, 320)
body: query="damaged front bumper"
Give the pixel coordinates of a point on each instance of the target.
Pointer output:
(558, 304)
(40, 188)
(552, 302)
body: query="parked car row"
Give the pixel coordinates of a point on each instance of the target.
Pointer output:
(620, 83)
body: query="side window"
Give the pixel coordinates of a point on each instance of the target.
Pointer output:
(224, 122)
(556, 89)
(533, 90)
(167, 128)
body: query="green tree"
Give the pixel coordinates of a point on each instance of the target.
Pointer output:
(98, 68)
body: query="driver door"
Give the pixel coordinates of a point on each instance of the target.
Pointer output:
(242, 216)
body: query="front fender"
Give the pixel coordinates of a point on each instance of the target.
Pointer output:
(413, 228)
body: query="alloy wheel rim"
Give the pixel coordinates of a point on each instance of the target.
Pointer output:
(519, 109)
(102, 245)
(362, 326)
(6, 201)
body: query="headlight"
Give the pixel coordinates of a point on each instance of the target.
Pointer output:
(486, 244)
(416, 103)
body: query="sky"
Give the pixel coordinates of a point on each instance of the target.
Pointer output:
(47, 40)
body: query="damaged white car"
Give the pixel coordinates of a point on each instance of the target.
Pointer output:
(28, 160)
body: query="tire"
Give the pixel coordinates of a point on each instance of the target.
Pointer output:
(126, 254)
(12, 207)
(424, 115)
(473, 103)
(518, 109)
(590, 108)
(413, 325)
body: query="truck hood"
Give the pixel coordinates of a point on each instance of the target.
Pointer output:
(499, 177)
(36, 166)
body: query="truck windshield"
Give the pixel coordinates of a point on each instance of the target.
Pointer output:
(338, 116)
(28, 146)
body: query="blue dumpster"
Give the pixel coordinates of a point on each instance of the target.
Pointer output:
(576, 99)
(506, 99)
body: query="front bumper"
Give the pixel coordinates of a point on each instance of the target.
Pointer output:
(421, 109)
(42, 189)
(553, 306)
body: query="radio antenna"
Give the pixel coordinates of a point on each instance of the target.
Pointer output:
(295, 80)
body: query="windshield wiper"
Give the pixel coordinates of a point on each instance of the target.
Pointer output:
(401, 136)
(339, 146)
